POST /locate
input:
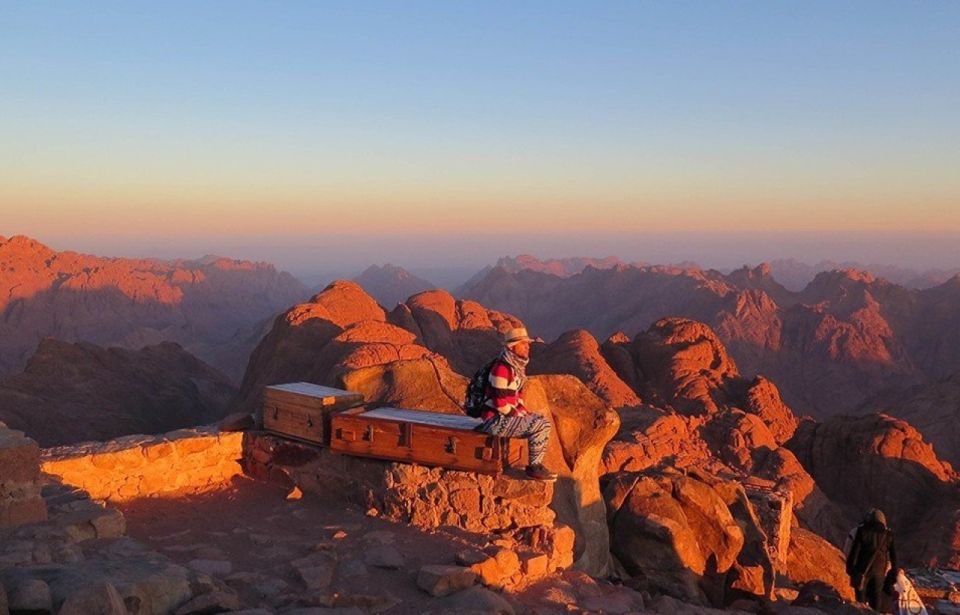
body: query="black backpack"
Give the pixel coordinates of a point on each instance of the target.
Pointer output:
(477, 391)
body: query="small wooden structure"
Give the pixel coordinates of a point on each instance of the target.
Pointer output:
(428, 438)
(301, 410)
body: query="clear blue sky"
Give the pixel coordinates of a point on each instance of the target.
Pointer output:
(234, 121)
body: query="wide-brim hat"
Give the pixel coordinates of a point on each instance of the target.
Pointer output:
(515, 336)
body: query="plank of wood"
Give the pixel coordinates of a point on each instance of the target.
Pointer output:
(451, 421)
(296, 423)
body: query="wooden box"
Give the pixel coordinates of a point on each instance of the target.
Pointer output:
(428, 438)
(301, 410)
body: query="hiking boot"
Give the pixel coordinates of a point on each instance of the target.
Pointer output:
(538, 472)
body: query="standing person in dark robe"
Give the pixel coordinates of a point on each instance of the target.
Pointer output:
(871, 555)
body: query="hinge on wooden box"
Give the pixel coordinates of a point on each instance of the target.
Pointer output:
(486, 453)
(346, 435)
(309, 421)
(276, 412)
(368, 434)
(452, 444)
(406, 435)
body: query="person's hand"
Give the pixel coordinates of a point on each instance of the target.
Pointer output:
(519, 411)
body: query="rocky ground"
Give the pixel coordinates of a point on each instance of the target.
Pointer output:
(282, 555)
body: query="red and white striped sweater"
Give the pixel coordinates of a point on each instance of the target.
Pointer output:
(504, 390)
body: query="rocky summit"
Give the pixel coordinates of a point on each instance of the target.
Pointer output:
(686, 484)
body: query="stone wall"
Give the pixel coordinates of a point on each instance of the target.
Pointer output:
(20, 500)
(514, 508)
(175, 463)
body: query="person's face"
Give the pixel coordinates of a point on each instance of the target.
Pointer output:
(521, 349)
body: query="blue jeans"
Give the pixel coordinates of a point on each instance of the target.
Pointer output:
(531, 426)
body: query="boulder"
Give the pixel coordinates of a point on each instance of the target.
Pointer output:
(582, 427)
(668, 605)
(826, 599)
(764, 400)
(686, 364)
(422, 383)
(439, 580)
(212, 567)
(30, 594)
(465, 332)
(384, 556)
(473, 601)
(100, 599)
(811, 558)
(315, 571)
(651, 537)
(577, 353)
(210, 604)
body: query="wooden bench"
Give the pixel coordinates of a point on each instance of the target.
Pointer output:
(428, 438)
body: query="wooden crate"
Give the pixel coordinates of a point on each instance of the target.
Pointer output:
(428, 438)
(301, 410)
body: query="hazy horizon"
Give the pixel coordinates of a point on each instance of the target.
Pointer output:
(458, 257)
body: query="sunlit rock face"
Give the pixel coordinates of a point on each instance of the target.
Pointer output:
(701, 415)
(343, 329)
(577, 353)
(214, 307)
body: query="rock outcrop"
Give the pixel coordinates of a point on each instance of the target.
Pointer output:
(74, 392)
(577, 353)
(933, 408)
(343, 330)
(674, 531)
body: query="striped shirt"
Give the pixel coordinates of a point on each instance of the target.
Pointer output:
(503, 392)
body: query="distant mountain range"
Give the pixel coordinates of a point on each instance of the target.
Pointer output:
(216, 308)
(795, 275)
(830, 347)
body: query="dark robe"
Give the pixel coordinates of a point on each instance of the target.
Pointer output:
(871, 555)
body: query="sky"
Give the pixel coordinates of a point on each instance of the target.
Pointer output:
(330, 135)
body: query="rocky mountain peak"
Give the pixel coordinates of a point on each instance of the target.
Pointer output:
(391, 284)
